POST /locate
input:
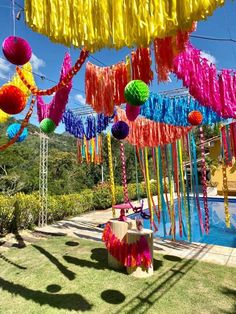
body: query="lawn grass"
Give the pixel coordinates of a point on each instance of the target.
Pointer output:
(64, 275)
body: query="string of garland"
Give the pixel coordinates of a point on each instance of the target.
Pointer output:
(204, 184)
(205, 83)
(175, 110)
(104, 86)
(124, 177)
(23, 125)
(225, 192)
(148, 187)
(54, 110)
(166, 49)
(141, 65)
(62, 83)
(130, 255)
(183, 189)
(146, 133)
(115, 24)
(86, 127)
(195, 179)
(112, 181)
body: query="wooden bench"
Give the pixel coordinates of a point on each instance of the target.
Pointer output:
(231, 188)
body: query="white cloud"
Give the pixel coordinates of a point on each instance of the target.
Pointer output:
(80, 98)
(37, 62)
(209, 57)
(5, 69)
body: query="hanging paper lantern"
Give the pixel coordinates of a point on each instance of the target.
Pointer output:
(120, 130)
(47, 125)
(13, 129)
(136, 92)
(132, 112)
(16, 50)
(195, 117)
(12, 99)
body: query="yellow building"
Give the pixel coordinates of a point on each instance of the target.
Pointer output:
(214, 146)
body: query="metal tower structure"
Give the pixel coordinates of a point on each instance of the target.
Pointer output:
(43, 179)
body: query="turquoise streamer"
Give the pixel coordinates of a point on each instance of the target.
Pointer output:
(175, 110)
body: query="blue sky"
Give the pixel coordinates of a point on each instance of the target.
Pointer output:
(48, 56)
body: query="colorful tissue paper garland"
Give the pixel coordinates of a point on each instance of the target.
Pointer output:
(87, 127)
(90, 150)
(104, 86)
(114, 24)
(166, 49)
(144, 132)
(54, 110)
(175, 110)
(135, 254)
(211, 88)
(141, 65)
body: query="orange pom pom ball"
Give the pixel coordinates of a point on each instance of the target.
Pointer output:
(195, 118)
(12, 99)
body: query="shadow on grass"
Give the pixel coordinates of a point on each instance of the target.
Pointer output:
(113, 296)
(232, 294)
(70, 301)
(53, 288)
(172, 258)
(63, 269)
(99, 255)
(5, 259)
(72, 243)
(155, 290)
(20, 241)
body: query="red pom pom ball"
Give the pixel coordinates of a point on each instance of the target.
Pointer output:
(16, 50)
(195, 118)
(12, 99)
(132, 112)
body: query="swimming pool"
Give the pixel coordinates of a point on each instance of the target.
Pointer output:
(218, 233)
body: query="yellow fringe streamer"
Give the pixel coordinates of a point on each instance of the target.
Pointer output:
(114, 23)
(225, 192)
(16, 81)
(112, 181)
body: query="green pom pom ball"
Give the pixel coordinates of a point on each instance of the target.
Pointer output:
(47, 125)
(136, 92)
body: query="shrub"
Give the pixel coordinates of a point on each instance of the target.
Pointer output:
(21, 211)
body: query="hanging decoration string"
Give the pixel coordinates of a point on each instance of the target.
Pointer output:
(124, 177)
(204, 181)
(183, 189)
(23, 125)
(195, 178)
(66, 80)
(225, 192)
(176, 179)
(112, 181)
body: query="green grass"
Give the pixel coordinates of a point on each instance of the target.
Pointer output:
(54, 277)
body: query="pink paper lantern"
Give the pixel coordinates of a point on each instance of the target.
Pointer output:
(16, 50)
(132, 112)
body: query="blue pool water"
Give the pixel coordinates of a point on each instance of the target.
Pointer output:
(219, 234)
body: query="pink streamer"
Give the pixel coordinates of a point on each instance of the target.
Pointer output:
(210, 87)
(55, 109)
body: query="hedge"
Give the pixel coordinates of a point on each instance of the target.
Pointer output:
(21, 211)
